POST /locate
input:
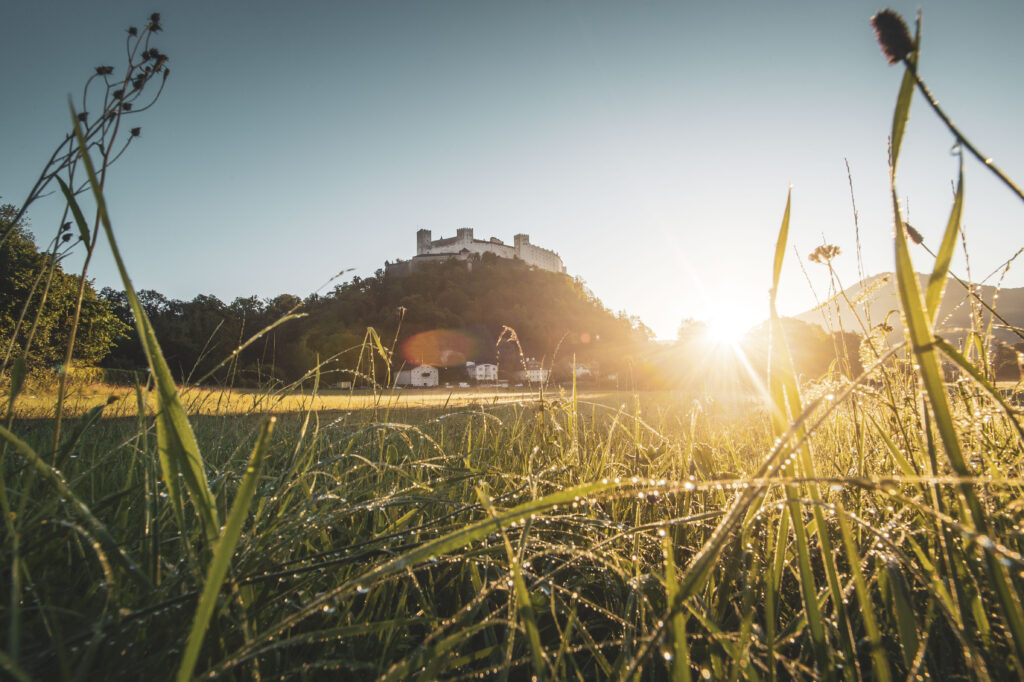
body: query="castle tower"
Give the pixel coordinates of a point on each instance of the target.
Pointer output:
(521, 240)
(464, 234)
(422, 241)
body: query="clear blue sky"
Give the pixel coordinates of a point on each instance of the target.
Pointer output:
(650, 143)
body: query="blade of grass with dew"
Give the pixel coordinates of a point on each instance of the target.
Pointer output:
(434, 548)
(176, 442)
(953, 354)
(677, 624)
(937, 281)
(902, 111)
(55, 479)
(906, 621)
(902, 462)
(785, 395)
(923, 345)
(878, 660)
(524, 604)
(223, 552)
(740, 651)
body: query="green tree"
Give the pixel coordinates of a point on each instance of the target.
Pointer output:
(37, 302)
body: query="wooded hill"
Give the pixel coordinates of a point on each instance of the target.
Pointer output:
(444, 314)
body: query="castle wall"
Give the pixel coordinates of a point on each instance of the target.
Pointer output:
(463, 243)
(542, 258)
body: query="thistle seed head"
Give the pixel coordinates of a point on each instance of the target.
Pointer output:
(914, 235)
(892, 35)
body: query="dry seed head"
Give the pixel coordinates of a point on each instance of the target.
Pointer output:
(914, 235)
(892, 35)
(824, 253)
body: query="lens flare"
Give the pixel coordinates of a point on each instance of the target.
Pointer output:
(439, 348)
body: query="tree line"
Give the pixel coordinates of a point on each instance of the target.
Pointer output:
(491, 309)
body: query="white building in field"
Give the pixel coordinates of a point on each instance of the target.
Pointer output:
(462, 246)
(534, 372)
(483, 372)
(423, 376)
(583, 371)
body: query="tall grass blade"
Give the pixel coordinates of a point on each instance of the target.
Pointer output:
(878, 660)
(677, 623)
(902, 111)
(937, 281)
(176, 443)
(923, 345)
(56, 479)
(963, 363)
(223, 552)
(786, 405)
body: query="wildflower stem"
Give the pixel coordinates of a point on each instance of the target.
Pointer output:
(961, 139)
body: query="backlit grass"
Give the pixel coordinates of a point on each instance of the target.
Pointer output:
(850, 529)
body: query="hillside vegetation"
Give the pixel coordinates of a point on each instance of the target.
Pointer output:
(863, 523)
(534, 313)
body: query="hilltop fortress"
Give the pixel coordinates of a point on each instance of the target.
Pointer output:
(463, 246)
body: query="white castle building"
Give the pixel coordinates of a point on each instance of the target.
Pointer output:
(462, 246)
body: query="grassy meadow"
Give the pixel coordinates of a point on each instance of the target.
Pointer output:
(122, 401)
(843, 529)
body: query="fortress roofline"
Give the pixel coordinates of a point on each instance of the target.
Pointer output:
(463, 244)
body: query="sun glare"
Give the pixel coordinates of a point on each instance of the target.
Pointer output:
(727, 329)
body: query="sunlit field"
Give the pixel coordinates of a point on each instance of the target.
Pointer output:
(754, 525)
(121, 401)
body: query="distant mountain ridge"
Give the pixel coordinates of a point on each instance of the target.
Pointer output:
(877, 300)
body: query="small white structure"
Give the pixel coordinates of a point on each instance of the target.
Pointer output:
(423, 376)
(482, 372)
(534, 372)
(583, 371)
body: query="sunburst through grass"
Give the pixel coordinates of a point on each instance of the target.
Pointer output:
(858, 527)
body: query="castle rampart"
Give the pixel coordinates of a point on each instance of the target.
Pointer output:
(463, 245)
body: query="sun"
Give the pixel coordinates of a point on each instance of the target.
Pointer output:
(727, 330)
